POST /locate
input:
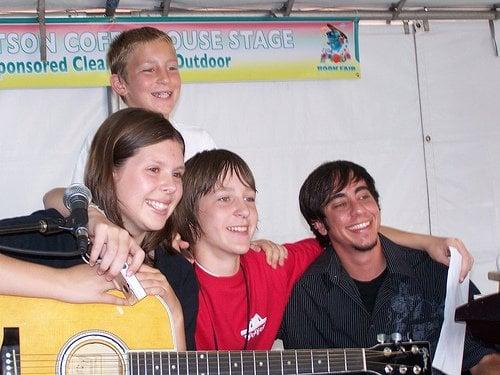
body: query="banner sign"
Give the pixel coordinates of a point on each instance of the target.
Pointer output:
(206, 51)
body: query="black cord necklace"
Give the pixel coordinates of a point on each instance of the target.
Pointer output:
(211, 310)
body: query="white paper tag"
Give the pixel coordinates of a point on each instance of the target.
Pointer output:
(450, 347)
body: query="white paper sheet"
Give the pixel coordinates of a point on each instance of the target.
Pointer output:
(450, 347)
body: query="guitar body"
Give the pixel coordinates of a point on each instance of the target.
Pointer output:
(41, 336)
(63, 338)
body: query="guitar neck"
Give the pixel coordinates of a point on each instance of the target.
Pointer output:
(296, 362)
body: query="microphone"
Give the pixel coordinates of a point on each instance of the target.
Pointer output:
(76, 199)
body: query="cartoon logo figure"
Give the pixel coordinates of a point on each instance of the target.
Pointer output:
(337, 49)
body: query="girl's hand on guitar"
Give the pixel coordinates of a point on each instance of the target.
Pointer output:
(275, 254)
(155, 283)
(113, 245)
(80, 284)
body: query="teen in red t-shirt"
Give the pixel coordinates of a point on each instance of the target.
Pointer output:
(241, 297)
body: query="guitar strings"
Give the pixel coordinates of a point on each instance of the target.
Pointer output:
(273, 353)
(114, 367)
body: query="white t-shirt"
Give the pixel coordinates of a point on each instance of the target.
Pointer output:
(196, 140)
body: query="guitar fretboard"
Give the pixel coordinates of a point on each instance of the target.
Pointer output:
(247, 362)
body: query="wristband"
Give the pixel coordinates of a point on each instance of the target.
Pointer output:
(97, 208)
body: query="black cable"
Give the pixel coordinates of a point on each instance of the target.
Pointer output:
(54, 254)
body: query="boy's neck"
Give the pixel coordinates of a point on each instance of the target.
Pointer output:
(362, 265)
(225, 265)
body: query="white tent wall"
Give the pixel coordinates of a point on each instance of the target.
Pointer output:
(42, 131)
(460, 87)
(285, 129)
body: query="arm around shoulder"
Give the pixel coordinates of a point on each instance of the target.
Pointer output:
(436, 247)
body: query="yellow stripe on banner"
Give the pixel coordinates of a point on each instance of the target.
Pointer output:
(55, 80)
(268, 72)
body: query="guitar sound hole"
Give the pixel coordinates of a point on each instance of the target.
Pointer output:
(95, 358)
(92, 353)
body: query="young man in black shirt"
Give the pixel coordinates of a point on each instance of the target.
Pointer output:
(364, 284)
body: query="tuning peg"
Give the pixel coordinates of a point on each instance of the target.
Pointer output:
(382, 338)
(396, 337)
(417, 369)
(414, 349)
(403, 369)
(388, 369)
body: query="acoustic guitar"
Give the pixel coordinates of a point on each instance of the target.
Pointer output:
(42, 336)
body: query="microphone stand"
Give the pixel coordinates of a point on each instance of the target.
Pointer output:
(44, 226)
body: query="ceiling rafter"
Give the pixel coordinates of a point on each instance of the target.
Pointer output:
(396, 9)
(111, 6)
(165, 8)
(287, 8)
(399, 10)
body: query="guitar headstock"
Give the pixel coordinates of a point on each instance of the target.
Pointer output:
(397, 357)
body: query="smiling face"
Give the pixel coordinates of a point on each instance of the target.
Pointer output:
(352, 218)
(149, 186)
(227, 216)
(152, 79)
